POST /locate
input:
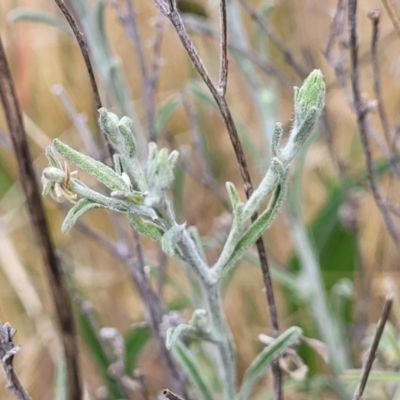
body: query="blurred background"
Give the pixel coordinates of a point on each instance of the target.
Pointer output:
(330, 215)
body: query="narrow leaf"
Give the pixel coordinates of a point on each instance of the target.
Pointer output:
(257, 228)
(82, 206)
(264, 360)
(193, 369)
(146, 228)
(104, 174)
(26, 14)
(165, 113)
(202, 94)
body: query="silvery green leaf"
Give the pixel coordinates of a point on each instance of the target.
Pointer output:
(275, 175)
(26, 14)
(152, 151)
(173, 158)
(131, 196)
(82, 206)
(52, 157)
(276, 137)
(233, 195)
(102, 172)
(108, 122)
(127, 142)
(118, 164)
(98, 20)
(193, 369)
(310, 95)
(53, 174)
(264, 360)
(171, 238)
(257, 228)
(194, 234)
(159, 173)
(110, 203)
(200, 320)
(146, 228)
(173, 334)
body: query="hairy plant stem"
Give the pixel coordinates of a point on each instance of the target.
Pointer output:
(172, 13)
(220, 329)
(222, 334)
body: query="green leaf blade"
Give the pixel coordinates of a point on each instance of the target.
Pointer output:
(264, 360)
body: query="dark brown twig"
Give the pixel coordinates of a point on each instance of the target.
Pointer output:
(171, 396)
(367, 365)
(223, 64)
(39, 225)
(84, 50)
(361, 113)
(7, 353)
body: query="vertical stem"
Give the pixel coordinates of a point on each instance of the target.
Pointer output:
(39, 225)
(221, 333)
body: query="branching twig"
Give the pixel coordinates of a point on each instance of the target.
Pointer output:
(169, 10)
(53, 269)
(7, 353)
(361, 112)
(367, 365)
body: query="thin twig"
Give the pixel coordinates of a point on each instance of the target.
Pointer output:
(129, 22)
(374, 16)
(39, 225)
(171, 396)
(78, 119)
(223, 63)
(264, 64)
(84, 50)
(361, 113)
(367, 365)
(205, 178)
(268, 30)
(85, 53)
(154, 312)
(392, 14)
(334, 27)
(172, 13)
(7, 353)
(157, 60)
